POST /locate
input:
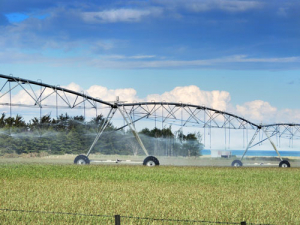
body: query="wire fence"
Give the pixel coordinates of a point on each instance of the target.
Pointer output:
(118, 219)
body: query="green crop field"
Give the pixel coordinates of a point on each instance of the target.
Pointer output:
(225, 194)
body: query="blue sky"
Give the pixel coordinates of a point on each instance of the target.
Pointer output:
(248, 49)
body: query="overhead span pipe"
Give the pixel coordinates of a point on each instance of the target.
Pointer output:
(17, 79)
(189, 105)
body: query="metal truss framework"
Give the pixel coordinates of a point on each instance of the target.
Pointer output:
(43, 96)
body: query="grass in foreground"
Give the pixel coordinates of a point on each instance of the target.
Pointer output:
(255, 195)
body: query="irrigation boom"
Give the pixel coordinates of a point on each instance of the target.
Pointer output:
(43, 96)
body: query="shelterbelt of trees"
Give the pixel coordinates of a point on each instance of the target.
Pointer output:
(74, 135)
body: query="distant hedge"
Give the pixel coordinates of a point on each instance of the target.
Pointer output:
(74, 135)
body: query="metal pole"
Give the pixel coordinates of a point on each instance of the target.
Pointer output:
(273, 145)
(84, 107)
(181, 126)
(225, 133)
(292, 137)
(117, 220)
(9, 100)
(243, 137)
(56, 104)
(247, 132)
(104, 125)
(162, 119)
(41, 104)
(10, 126)
(40, 97)
(279, 136)
(251, 141)
(96, 109)
(229, 137)
(210, 133)
(204, 126)
(132, 127)
(155, 117)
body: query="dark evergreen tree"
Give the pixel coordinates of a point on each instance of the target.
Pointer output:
(66, 135)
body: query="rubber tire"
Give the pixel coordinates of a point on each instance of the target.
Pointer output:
(149, 159)
(81, 160)
(239, 162)
(284, 163)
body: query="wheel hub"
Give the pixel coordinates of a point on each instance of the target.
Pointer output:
(150, 163)
(81, 161)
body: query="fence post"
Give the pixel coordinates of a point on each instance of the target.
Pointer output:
(243, 223)
(117, 220)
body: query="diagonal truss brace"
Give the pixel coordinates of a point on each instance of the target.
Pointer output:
(272, 144)
(268, 137)
(102, 128)
(250, 143)
(130, 124)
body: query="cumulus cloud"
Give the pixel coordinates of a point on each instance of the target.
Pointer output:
(257, 111)
(119, 15)
(127, 94)
(289, 116)
(74, 87)
(193, 95)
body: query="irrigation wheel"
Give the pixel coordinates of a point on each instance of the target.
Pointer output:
(237, 163)
(81, 160)
(151, 161)
(284, 163)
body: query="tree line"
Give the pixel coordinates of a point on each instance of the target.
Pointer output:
(74, 135)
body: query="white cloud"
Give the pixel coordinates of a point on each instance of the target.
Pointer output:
(282, 11)
(237, 6)
(74, 87)
(123, 57)
(289, 116)
(257, 111)
(193, 95)
(106, 45)
(244, 58)
(142, 57)
(216, 62)
(15, 57)
(119, 15)
(208, 5)
(126, 94)
(145, 61)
